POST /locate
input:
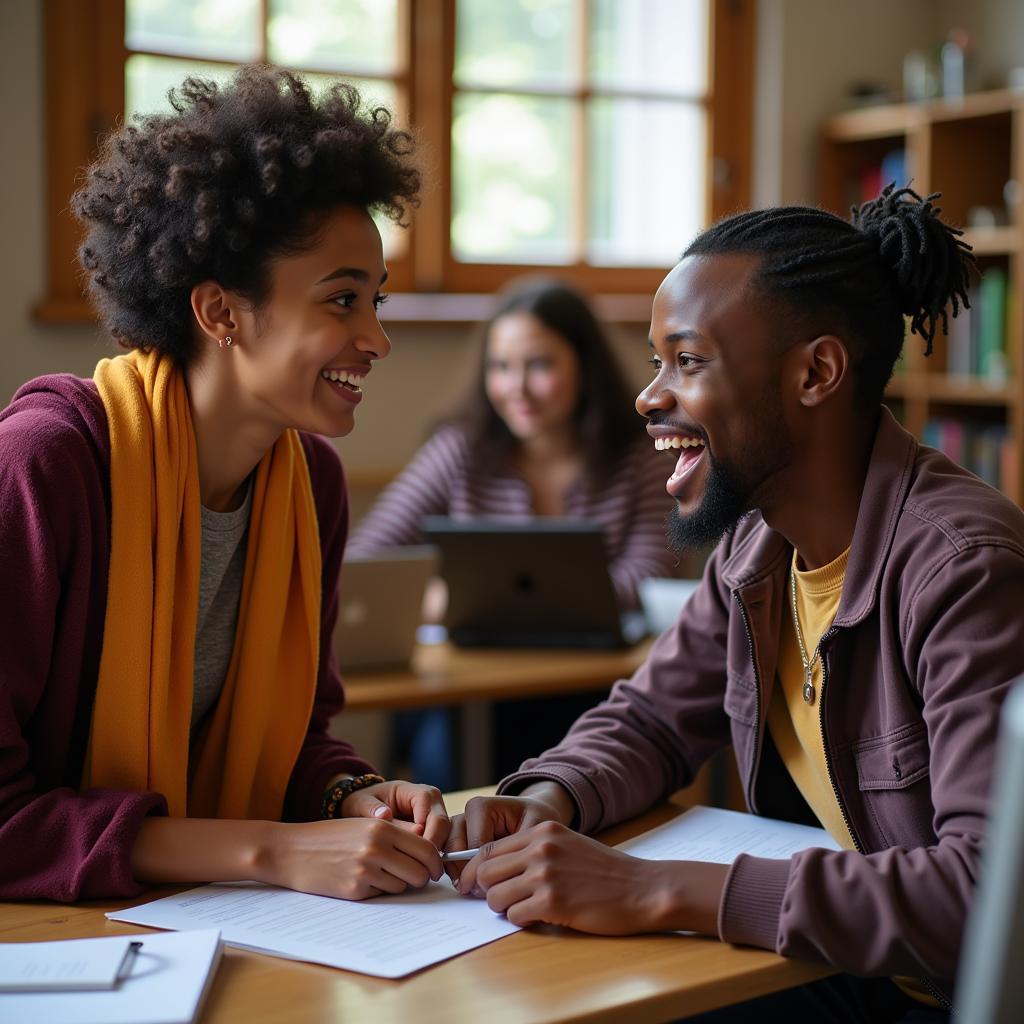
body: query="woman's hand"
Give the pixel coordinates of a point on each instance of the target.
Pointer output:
(554, 875)
(418, 808)
(492, 817)
(351, 858)
(435, 600)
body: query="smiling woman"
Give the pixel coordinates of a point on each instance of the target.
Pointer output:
(172, 529)
(314, 324)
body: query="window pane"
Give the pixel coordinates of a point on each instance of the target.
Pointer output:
(516, 42)
(334, 35)
(647, 178)
(147, 79)
(225, 29)
(658, 45)
(512, 171)
(375, 93)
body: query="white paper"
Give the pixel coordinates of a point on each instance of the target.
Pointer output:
(719, 836)
(391, 936)
(388, 936)
(68, 964)
(169, 977)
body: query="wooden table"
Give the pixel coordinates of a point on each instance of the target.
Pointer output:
(540, 975)
(445, 674)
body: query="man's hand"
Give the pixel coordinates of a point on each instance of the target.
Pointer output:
(553, 875)
(493, 817)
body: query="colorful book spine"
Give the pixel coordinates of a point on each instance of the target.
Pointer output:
(960, 358)
(992, 364)
(981, 448)
(870, 179)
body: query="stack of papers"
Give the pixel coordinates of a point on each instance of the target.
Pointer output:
(391, 936)
(165, 981)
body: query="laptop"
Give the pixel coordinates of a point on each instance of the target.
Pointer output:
(380, 598)
(990, 985)
(539, 583)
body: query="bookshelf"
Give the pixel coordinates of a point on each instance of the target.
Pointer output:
(968, 396)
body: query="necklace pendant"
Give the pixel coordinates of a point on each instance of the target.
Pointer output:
(808, 689)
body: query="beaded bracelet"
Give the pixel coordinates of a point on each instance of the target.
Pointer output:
(335, 795)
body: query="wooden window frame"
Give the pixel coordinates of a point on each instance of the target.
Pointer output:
(85, 55)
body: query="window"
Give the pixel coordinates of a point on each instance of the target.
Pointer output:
(357, 40)
(568, 119)
(590, 137)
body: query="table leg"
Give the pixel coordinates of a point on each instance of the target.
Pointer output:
(476, 731)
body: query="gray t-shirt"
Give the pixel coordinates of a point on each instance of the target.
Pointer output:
(221, 570)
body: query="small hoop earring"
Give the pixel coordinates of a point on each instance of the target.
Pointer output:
(228, 341)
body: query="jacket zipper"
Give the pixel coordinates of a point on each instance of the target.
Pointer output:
(829, 633)
(757, 701)
(939, 996)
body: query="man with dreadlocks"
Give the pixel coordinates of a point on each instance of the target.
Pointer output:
(854, 635)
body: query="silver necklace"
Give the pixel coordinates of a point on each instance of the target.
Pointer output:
(808, 663)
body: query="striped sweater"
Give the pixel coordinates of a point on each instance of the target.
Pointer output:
(631, 508)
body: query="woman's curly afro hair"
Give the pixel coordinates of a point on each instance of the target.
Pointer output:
(234, 177)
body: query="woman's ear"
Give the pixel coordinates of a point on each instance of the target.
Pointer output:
(825, 365)
(215, 312)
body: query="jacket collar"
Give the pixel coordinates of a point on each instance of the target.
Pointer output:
(763, 552)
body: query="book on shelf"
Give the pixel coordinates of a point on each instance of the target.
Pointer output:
(991, 318)
(872, 178)
(979, 346)
(983, 449)
(960, 344)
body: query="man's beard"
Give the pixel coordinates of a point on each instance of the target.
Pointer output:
(724, 503)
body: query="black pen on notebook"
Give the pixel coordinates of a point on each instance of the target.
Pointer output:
(451, 856)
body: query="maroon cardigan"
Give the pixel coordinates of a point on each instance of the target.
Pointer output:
(55, 842)
(927, 638)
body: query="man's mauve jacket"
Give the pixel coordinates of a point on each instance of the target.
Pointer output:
(928, 636)
(55, 842)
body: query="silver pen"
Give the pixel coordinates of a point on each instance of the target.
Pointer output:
(125, 970)
(451, 856)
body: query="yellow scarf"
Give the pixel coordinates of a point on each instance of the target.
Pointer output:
(139, 739)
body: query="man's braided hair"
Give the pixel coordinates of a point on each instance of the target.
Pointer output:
(894, 258)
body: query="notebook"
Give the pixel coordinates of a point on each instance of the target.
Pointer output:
(73, 965)
(167, 983)
(380, 602)
(539, 583)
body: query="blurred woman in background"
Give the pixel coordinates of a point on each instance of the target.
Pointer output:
(547, 429)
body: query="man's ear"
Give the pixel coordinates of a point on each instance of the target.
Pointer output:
(825, 364)
(215, 310)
